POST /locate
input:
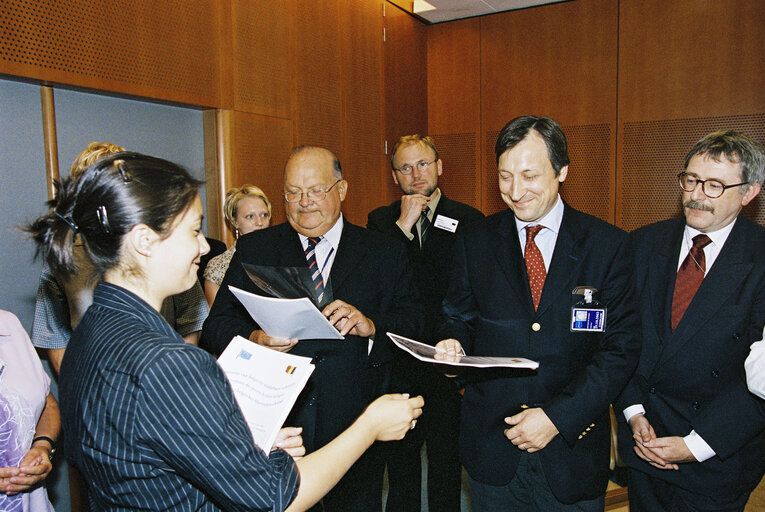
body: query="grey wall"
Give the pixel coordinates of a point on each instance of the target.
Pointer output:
(173, 133)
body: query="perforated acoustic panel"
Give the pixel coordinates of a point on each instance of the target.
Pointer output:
(588, 185)
(461, 180)
(261, 54)
(165, 50)
(261, 149)
(653, 152)
(362, 114)
(317, 76)
(590, 175)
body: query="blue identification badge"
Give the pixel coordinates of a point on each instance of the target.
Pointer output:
(587, 315)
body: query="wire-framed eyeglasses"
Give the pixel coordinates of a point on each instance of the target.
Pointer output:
(315, 194)
(422, 166)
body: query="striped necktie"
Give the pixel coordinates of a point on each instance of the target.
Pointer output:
(313, 268)
(424, 225)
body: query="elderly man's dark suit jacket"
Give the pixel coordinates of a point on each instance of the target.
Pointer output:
(433, 262)
(693, 378)
(490, 311)
(370, 272)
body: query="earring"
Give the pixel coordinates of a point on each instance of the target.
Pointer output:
(236, 233)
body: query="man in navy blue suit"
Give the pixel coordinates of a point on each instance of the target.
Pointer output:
(539, 440)
(427, 222)
(694, 435)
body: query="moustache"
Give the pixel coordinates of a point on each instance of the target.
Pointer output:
(698, 205)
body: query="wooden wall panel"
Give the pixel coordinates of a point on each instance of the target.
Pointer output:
(261, 58)
(262, 145)
(454, 105)
(317, 102)
(686, 68)
(161, 50)
(690, 58)
(560, 61)
(361, 61)
(406, 79)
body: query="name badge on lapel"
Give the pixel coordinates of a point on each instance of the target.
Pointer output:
(446, 223)
(587, 315)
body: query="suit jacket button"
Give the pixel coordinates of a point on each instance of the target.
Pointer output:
(652, 390)
(535, 326)
(715, 373)
(696, 406)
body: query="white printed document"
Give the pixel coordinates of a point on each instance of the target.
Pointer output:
(428, 353)
(266, 384)
(287, 318)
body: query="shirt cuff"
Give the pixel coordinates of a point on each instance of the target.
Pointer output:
(407, 234)
(633, 410)
(698, 447)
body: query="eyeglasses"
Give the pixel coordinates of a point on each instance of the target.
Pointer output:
(313, 195)
(711, 188)
(421, 166)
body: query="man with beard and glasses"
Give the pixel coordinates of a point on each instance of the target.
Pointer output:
(694, 435)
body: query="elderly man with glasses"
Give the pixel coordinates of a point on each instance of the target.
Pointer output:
(692, 433)
(366, 274)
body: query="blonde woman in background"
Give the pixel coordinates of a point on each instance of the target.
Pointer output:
(247, 209)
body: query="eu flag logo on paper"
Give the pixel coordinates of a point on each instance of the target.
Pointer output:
(244, 355)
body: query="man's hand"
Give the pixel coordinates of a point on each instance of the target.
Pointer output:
(672, 450)
(644, 435)
(531, 430)
(349, 320)
(290, 440)
(412, 207)
(449, 350)
(280, 344)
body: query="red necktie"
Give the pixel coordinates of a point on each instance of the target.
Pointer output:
(535, 264)
(689, 278)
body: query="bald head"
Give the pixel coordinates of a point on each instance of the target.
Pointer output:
(315, 171)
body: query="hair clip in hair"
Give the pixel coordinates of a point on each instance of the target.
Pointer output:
(69, 220)
(124, 173)
(103, 219)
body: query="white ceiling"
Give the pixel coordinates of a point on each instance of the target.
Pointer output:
(436, 11)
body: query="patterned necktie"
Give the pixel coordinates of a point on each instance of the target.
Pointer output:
(424, 224)
(689, 278)
(313, 267)
(535, 264)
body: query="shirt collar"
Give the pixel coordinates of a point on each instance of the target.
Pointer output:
(718, 237)
(551, 221)
(433, 204)
(332, 236)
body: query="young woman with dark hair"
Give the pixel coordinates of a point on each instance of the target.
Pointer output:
(151, 421)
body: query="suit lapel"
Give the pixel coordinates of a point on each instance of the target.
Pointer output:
(726, 275)
(510, 258)
(566, 256)
(349, 254)
(662, 270)
(292, 254)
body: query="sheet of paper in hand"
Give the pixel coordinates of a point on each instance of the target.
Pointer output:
(266, 384)
(429, 354)
(287, 318)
